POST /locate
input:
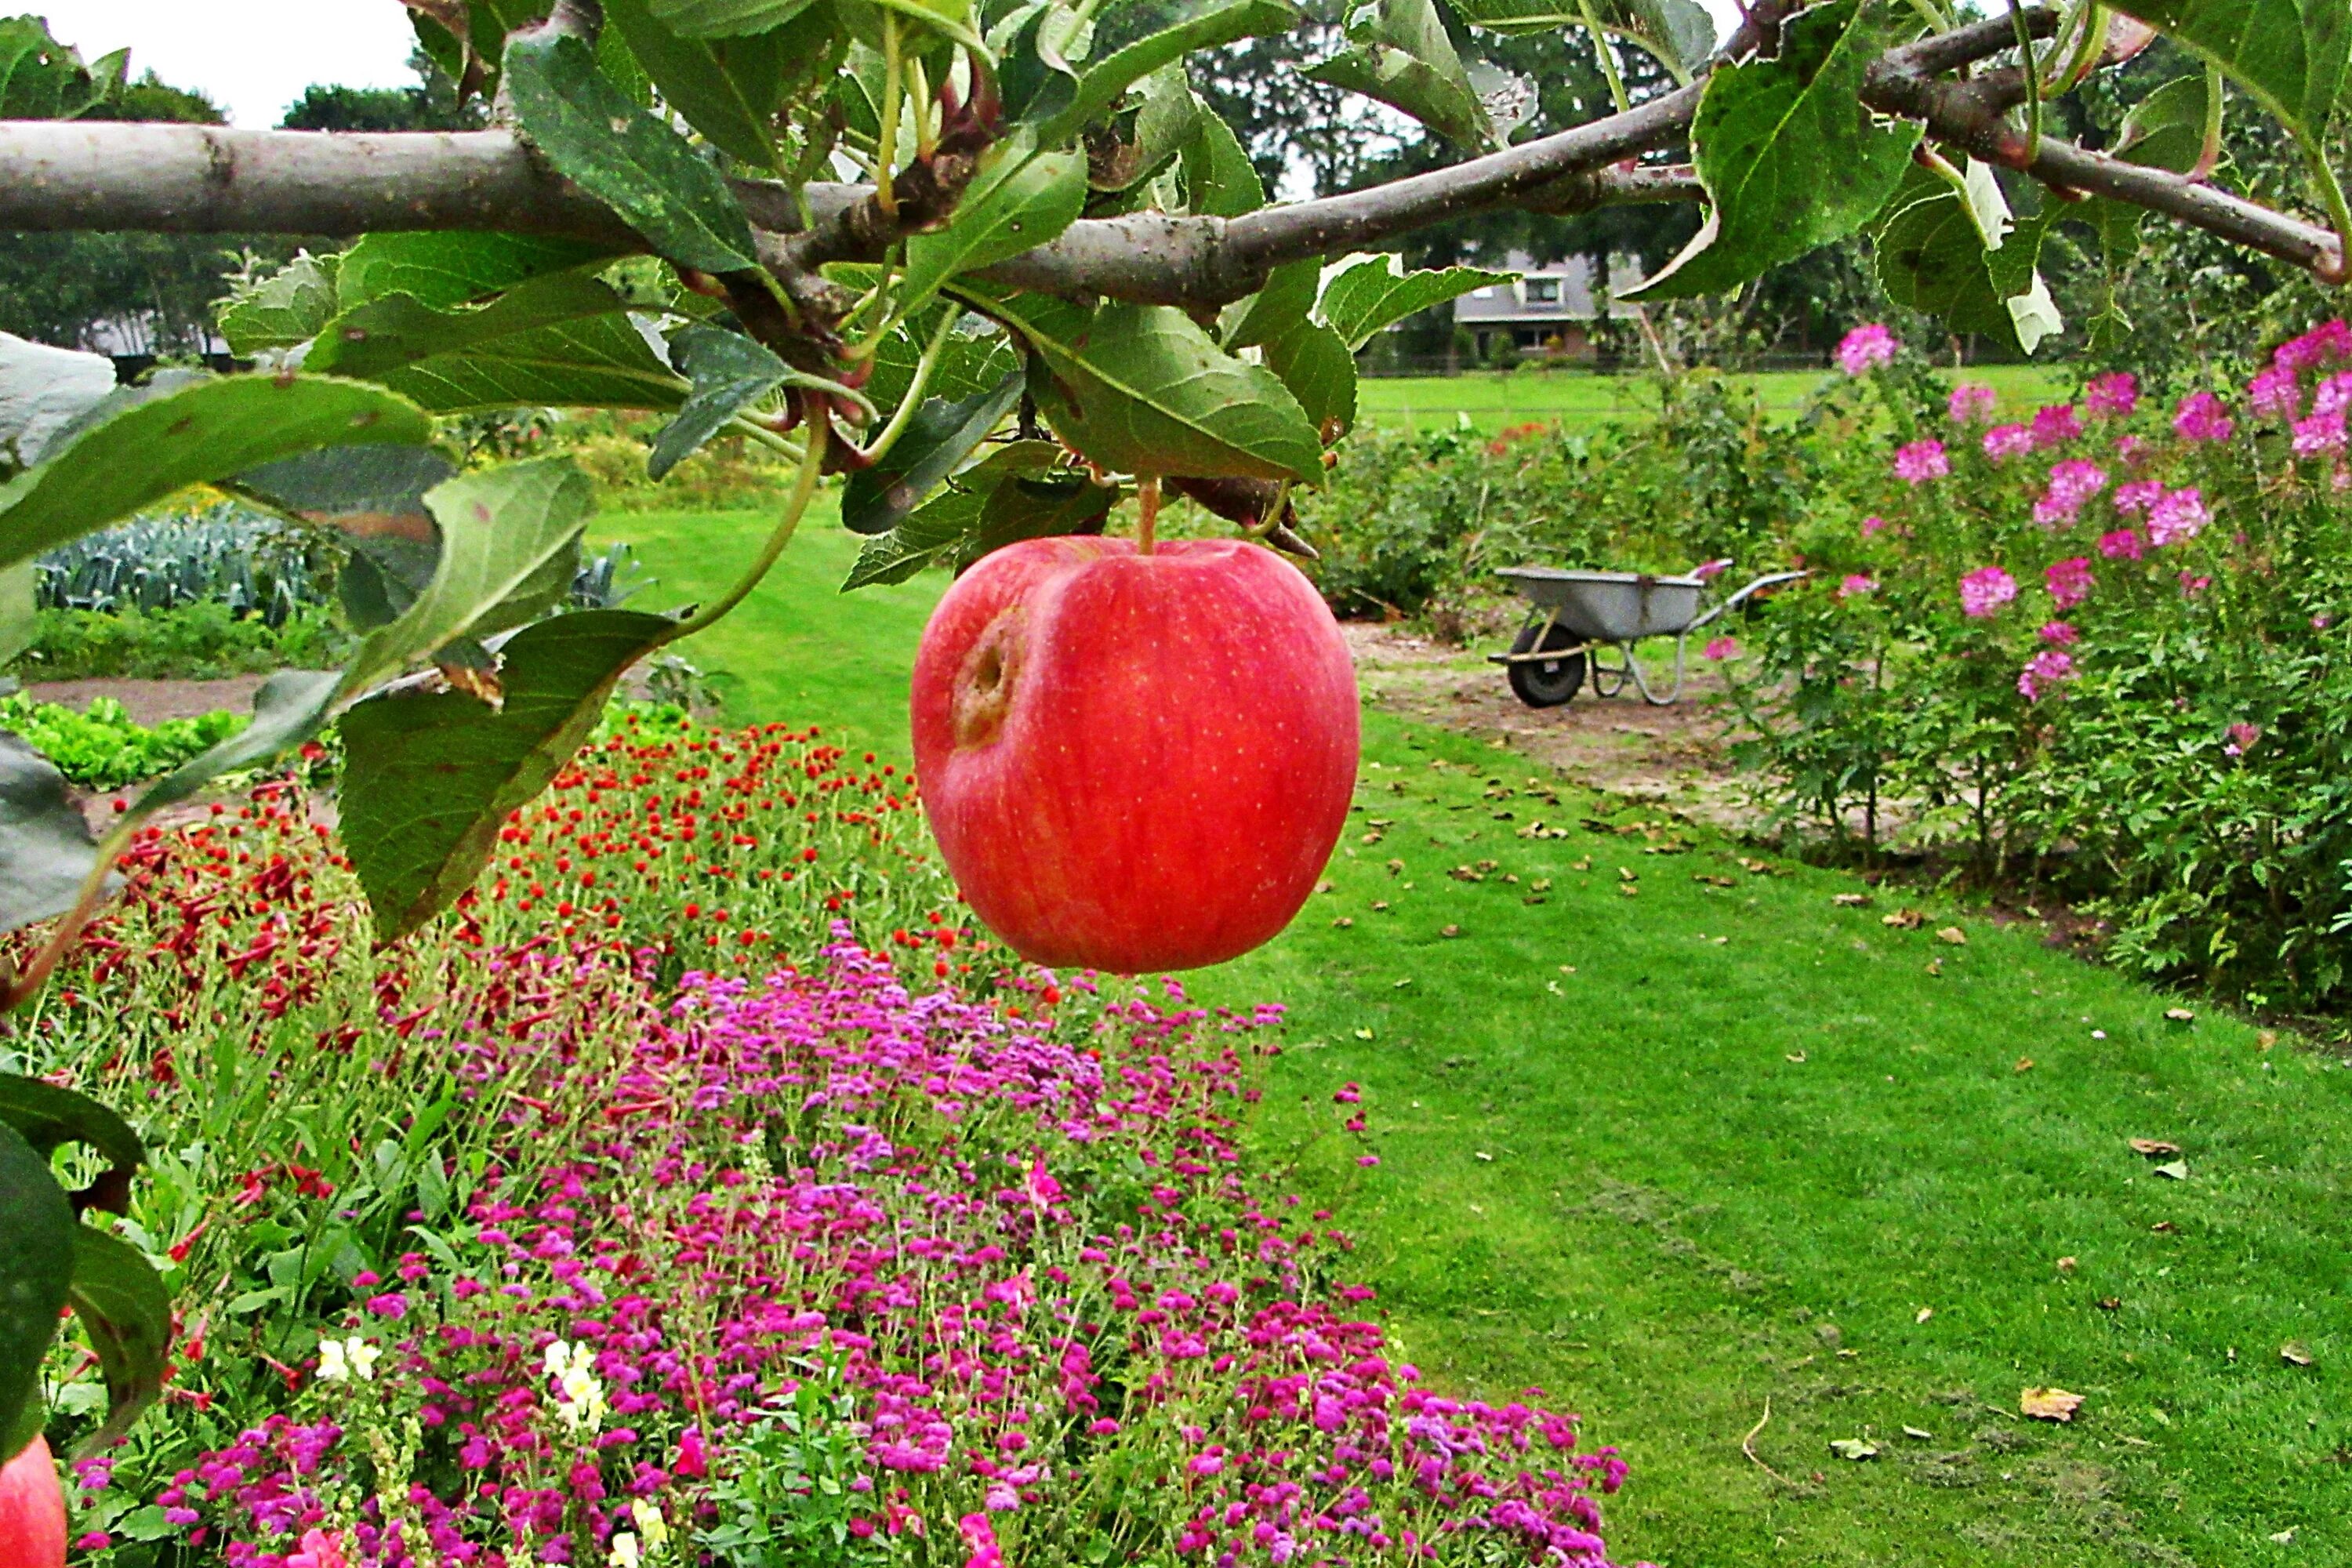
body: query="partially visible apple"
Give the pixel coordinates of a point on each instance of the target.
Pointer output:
(31, 1510)
(1134, 762)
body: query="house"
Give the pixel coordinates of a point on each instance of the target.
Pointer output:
(1547, 309)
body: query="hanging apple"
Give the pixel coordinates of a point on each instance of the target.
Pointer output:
(1134, 758)
(31, 1510)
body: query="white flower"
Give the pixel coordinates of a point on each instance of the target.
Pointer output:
(583, 1397)
(650, 1524)
(347, 1358)
(624, 1551)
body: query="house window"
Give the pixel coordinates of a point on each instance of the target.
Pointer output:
(1543, 291)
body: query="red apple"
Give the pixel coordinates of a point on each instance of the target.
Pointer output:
(1134, 762)
(31, 1510)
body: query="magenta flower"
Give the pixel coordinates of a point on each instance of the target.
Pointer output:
(1985, 591)
(2049, 667)
(2193, 584)
(2072, 482)
(1921, 461)
(2008, 441)
(1857, 585)
(2327, 344)
(2139, 496)
(2180, 515)
(1871, 525)
(320, 1550)
(2243, 737)
(1721, 647)
(2061, 633)
(2202, 416)
(2054, 424)
(2130, 449)
(1972, 403)
(2275, 392)
(2123, 544)
(1705, 571)
(2113, 395)
(1867, 348)
(2070, 581)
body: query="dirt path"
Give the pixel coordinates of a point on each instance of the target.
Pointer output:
(1672, 755)
(151, 702)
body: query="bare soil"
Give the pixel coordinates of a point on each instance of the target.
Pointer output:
(149, 703)
(1672, 755)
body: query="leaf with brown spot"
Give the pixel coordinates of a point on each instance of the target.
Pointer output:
(2295, 1353)
(2049, 1404)
(2154, 1146)
(1851, 901)
(1902, 920)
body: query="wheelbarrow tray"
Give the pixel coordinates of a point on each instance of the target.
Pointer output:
(1611, 607)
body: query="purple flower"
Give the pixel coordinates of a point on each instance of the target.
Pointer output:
(1856, 586)
(2139, 496)
(2123, 544)
(2113, 395)
(2202, 416)
(1871, 525)
(2178, 516)
(1972, 403)
(2070, 581)
(2275, 392)
(2006, 441)
(2243, 737)
(1985, 591)
(2061, 633)
(2054, 424)
(2072, 482)
(1707, 571)
(2193, 584)
(2049, 667)
(1721, 647)
(1867, 348)
(1921, 461)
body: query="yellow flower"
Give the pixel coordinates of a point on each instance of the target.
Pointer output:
(624, 1551)
(650, 1524)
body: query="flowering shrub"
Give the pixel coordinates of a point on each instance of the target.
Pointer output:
(565, 1240)
(2100, 652)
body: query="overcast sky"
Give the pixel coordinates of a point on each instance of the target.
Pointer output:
(255, 57)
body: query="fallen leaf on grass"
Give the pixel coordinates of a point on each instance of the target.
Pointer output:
(1363, 1034)
(1323, 886)
(1920, 1432)
(1405, 982)
(1935, 967)
(2068, 1265)
(1902, 920)
(1854, 1448)
(1583, 865)
(2164, 1227)
(1342, 924)
(2283, 1538)
(1954, 935)
(1450, 930)
(1627, 874)
(1716, 882)
(2024, 1064)
(2049, 1404)
(1379, 904)
(1796, 1055)
(1568, 969)
(2174, 1169)
(1754, 867)
(1925, 1313)
(1396, 867)
(1629, 890)
(2111, 1303)
(2266, 1039)
(1374, 837)
(1851, 901)
(2181, 1014)
(2154, 1146)
(2295, 1353)
(1483, 1155)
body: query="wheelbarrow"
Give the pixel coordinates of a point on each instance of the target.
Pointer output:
(1576, 615)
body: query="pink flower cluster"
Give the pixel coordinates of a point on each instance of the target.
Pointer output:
(2070, 581)
(2049, 667)
(2113, 395)
(1972, 403)
(1006, 1250)
(1985, 590)
(2072, 482)
(1920, 461)
(1866, 348)
(2054, 424)
(2276, 391)
(2175, 515)
(2202, 416)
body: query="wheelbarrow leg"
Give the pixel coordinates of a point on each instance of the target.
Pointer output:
(1642, 680)
(1608, 682)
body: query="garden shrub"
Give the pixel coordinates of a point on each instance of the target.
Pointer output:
(203, 640)
(103, 747)
(702, 1184)
(2098, 652)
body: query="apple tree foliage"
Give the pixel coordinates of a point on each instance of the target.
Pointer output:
(999, 273)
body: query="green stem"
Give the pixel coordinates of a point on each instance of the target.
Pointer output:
(886, 150)
(1608, 56)
(1933, 14)
(903, 413)
(2209, 151)
(2032, 83)
(803, 491)
(2087, 48)
(752, 430)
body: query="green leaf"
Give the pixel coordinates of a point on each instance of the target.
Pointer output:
(725, 18)
(563, 338)
(1399, 53)
(971, 362)
(288, 306)
(444, 271)
(2166, 129)
(433, 776)
(1099, 85)
(1142, 388)
(1023, 509)
(19, 621)
(127, 1314)
(375, 496)
(976, 514)
(1287, 299)
(206, 431)
(1790, 159)
(946, 20)
(45, 848)
(624, 156)
(1314, 364)
(44, 392)
(729, 372)
(1373, 294)
(1932, 257)
(1679, 33)
(921, 540)
(729, 91)
(936, 441)
(1019, 199)
(1035, 82)
(47, 1117)
(1219, 178)
(292, 707)
(2289, 54)
(35, 1270)
(41, 79)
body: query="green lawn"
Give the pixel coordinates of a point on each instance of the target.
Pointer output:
(1692, 1174)
(1581, 399)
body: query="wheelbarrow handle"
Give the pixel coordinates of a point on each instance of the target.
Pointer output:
(1771, 581)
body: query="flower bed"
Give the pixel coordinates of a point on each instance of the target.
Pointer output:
(585, 1230)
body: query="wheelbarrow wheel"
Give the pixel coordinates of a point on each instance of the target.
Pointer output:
(1546, 682)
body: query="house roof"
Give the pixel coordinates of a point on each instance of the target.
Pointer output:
(1547, 292)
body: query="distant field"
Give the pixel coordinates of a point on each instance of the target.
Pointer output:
(1581, 399)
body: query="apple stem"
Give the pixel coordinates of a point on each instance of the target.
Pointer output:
(1147, 522)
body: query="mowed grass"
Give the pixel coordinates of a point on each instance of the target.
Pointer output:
(1583, 400)
(1696, 1176)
